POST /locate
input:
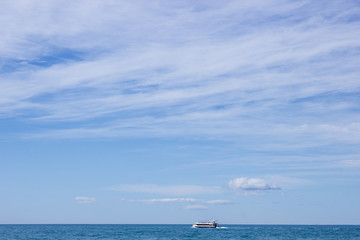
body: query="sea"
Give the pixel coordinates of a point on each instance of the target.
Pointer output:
(181, 232)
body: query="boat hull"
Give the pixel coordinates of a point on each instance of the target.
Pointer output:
(211, 225)
(204, 226)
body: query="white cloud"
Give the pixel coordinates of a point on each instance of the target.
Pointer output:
(169, 200)
(217, 202)
(196, 207)
(85, 200)
(183, 200)
(251, 184)
(175, 190)
(289, 181)
(163, 69)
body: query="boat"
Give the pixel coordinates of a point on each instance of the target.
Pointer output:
(212, 224)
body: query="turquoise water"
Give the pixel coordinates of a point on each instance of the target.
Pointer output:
(59, 231)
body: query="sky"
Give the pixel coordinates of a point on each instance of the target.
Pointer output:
(163, 111)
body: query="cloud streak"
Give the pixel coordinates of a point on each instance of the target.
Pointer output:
(85, 200)
(196, 207)
(174, 190)
(195, 204)
(214, 69)
(169, 200)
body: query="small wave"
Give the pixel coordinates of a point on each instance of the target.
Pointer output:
(222, 227)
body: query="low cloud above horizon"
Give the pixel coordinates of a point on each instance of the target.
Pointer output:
(251, 184)
(176, 190)
(195, 204)
(85, 200)
(243, 184)
(181, 200)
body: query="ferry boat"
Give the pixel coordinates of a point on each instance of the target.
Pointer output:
(212, 224)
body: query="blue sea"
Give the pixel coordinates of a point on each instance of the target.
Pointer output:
(181, 232)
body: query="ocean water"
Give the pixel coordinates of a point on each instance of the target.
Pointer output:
(124, 231)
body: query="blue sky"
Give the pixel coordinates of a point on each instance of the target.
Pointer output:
(179, 111)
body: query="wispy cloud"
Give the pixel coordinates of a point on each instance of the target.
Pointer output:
(169, 200)
(274, 72)
(174, 190)
(212, 65)
(287, 181)
(217, 201)
(196, 207)
(251, 184)
(85, 200)
(196, 204)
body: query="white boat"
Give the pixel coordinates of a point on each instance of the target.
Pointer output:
(212, 224)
